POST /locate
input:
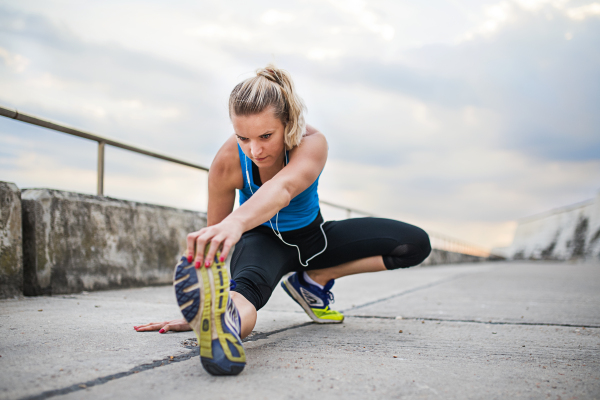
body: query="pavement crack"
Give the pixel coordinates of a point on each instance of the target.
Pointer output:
(144, 367)
(108, 378)
(476, 321)
(427, 286)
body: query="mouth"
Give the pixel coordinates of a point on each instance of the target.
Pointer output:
(258, 159)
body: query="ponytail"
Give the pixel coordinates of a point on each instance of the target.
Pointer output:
(271, 87)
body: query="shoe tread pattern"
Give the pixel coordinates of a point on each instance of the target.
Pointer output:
(182, 270)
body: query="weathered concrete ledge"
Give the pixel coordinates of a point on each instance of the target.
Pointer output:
(75, 242)
(438, 257)
(11, 250)
(56, 242)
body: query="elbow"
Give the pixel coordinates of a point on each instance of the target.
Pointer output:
(280, 193)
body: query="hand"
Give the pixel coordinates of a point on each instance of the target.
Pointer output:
(177, 325)
(223, 235)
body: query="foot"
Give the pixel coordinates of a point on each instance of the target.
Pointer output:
(313, 299)
(203, 297)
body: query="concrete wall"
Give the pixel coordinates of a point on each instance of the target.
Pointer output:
(567, 233)
(55, 242)
(74, 242)
(11, 251)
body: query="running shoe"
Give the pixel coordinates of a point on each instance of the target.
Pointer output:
(314, 300)
(203, 297)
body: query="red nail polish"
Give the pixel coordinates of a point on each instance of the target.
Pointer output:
(207, 264)
(222, 259)
(197, 265)
(190, 259)
(161, 331)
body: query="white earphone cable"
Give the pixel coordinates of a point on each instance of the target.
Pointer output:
(277, 233)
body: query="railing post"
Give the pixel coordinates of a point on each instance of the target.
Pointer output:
(101, 168)
(348, 213)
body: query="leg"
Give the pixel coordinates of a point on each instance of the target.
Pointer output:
(367, 245)
(257, 265)
(315, 300)
(247, 313)
(369, 264)
(355, 246)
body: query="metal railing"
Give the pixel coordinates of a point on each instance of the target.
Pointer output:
(441, 242)
(102, 141)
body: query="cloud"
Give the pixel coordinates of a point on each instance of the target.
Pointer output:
(365, 17)
(542, 90)
(460, 117)
(583, 12)
(108, 89)
(272, 17)
(15, 62)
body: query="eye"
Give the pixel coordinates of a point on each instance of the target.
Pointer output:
(266, 136)
(242, 139)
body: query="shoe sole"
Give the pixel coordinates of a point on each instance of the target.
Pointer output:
(289, 289)
(188, 291)
(211, 286)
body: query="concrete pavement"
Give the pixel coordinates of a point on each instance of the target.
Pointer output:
(497, 330)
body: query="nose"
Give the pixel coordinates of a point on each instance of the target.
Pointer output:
(255, 150)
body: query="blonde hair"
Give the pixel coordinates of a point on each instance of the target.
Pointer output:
(271, 87)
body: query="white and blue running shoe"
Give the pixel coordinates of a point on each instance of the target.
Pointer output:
(314, 300)
(203, 297)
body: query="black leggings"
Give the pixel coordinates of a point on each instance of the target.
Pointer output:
(261, 259)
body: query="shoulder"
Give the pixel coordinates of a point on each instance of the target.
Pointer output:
(313, 133)
(226, 168)
(313, 143)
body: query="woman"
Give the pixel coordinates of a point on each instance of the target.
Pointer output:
(274, 160)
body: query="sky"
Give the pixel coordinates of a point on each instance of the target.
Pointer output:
(459, 116)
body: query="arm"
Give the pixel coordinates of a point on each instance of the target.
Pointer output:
(306, 163)
(224, 227)
(224, 177)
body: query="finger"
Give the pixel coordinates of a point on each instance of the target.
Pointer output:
(165, 329)
(227, 245)
(200, 244)
(215, 243)
(153, 327)
(144, 325)
(191, 242)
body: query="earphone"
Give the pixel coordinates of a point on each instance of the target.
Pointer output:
(277, 233)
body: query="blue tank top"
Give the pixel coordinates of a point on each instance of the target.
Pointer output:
(302, 210)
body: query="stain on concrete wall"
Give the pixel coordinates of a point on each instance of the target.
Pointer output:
(568, 233)
(76, 242)
(11, 252)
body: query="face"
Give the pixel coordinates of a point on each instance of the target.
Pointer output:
(260, 137)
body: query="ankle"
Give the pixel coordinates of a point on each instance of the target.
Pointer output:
(317, 278)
